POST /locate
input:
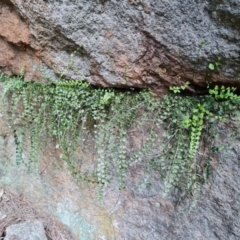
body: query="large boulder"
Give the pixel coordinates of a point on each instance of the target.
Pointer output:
(129, 43)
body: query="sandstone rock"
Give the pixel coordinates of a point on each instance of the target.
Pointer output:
(145, 44)
(29, 230)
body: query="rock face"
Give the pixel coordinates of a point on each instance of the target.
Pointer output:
(129, 43)
(216, 215)
(134, 213)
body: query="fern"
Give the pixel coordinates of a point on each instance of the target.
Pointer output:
(70, 110)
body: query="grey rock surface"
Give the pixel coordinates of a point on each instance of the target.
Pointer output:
(216, 216)
(29, 230)
(136, 212)
(134, 43)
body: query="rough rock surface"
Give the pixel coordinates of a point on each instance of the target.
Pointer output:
(29, 230)
(134, 43)
(147, 215)
(135, 213)
(124, 43)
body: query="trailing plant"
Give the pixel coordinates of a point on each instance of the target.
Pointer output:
(178, 89)
(215, 65)
(68, 111)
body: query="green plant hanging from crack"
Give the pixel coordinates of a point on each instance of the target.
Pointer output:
(69, 111)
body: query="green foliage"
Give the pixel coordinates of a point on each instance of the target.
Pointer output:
(215, 65)
(224, 93)
(202, 43)
(68, 111)
(178, 89)
(190, 120)
(211, 66)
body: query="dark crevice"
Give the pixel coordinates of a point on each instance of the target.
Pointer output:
(219, 13)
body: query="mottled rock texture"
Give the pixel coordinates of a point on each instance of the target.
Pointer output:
(29, 230)
(134, 213)
(147, 215)
(145, 44)
(128, 43)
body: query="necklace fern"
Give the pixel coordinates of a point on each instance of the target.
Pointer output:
(70, 110)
